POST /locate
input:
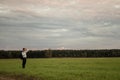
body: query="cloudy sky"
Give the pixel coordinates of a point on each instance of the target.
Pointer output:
(71, 24)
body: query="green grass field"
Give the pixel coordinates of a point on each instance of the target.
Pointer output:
(64, 68)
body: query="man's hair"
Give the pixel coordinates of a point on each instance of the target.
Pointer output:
(24, 49)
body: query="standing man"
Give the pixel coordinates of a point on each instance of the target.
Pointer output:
(24, 55)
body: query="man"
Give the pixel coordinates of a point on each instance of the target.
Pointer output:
(24, 55)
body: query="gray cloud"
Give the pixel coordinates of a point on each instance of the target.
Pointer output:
(74, 24)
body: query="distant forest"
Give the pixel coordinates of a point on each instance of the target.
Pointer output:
(61, 53)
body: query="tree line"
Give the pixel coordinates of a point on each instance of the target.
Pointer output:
(61, 53)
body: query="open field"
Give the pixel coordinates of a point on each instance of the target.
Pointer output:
(62, 69)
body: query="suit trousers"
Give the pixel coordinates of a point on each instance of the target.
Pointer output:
(23, 62)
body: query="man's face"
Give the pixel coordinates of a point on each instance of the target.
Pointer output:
(24, 49)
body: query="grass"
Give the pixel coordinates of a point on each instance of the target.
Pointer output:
(63, 68)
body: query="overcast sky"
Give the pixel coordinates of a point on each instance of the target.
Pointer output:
(71, 24)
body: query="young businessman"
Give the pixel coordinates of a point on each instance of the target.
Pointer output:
(24, 57)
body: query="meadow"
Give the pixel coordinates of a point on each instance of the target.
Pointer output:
(62, 69)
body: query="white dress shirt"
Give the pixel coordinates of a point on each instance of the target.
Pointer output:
(24, 54)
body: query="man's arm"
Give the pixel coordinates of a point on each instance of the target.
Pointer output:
(26, 50)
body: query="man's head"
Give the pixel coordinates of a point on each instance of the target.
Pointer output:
(24, 49)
